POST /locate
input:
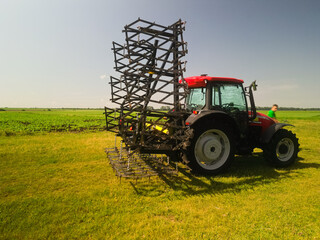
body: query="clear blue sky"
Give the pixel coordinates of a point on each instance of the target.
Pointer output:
(58, 53)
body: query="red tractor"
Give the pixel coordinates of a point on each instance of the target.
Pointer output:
(224, 124)
(206, 120)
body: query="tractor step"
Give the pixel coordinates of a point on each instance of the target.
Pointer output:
(134, 165)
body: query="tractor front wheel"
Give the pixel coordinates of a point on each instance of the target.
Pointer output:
(282, 150)
(211, 150)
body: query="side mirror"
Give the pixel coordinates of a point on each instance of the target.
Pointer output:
(254, 85)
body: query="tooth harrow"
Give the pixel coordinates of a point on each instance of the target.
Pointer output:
(151, 72)
(133, 165)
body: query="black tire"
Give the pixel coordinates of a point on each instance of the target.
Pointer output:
(211, 150)
(282, 150)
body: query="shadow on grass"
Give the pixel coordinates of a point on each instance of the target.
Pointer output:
(245, 173)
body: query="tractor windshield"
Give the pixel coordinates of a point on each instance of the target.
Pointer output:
(196, 99)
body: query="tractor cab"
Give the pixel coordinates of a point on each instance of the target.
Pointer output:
(220, 96)
(216, 93)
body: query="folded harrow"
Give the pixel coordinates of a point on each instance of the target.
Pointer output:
(151, 66)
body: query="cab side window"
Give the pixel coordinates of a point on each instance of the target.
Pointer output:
(229, 96)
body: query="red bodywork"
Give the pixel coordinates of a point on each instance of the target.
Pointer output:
(262, 121)
(201, 81)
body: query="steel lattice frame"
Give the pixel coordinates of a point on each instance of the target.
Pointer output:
(150, 65)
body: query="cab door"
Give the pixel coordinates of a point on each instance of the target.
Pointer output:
(230, 98)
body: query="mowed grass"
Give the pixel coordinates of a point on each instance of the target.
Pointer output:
(59, 185)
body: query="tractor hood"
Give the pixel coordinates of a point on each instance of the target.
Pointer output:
(262, 120)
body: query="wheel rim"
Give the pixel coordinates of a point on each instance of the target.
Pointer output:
(285, 149)
(212, 149)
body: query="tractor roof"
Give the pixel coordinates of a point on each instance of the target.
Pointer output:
(200, 81)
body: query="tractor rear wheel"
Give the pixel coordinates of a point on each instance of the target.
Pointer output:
(211, 150)
(282, 150)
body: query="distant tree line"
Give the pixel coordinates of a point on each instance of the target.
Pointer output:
(290, 109)
(167, 108)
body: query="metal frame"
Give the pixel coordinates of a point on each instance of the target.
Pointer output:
(151, 66)
(151, 72)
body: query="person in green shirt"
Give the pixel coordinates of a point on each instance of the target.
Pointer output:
(272, 112)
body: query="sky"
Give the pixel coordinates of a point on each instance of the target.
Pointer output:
(58, 53)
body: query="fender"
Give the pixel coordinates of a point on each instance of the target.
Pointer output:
(267, 135)
(205, 114)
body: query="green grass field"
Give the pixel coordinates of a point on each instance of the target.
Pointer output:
(56, 183)
(22, 122)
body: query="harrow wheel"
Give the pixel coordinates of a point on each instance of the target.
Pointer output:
(211, 150)
(282, 150)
